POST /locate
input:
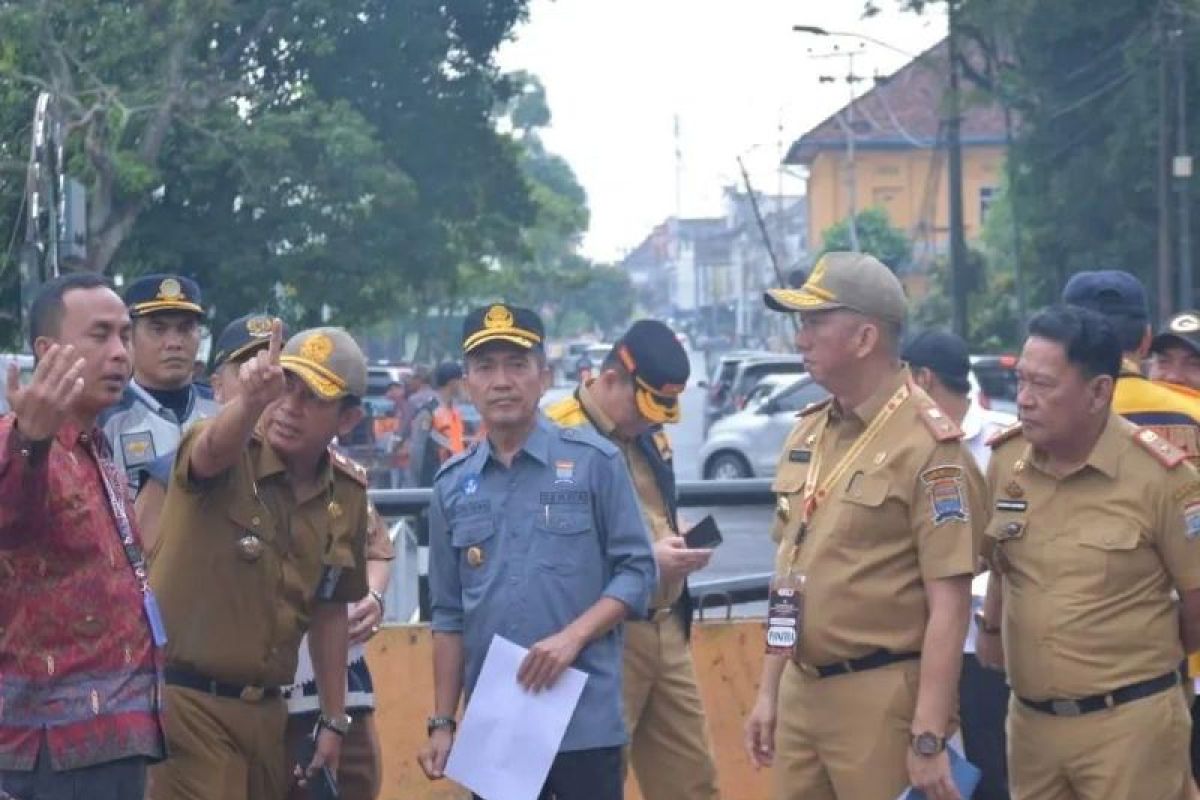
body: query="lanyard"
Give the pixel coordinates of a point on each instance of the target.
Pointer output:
(133, 551)
(815, 489)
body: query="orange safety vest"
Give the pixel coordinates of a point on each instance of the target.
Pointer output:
(447, 431)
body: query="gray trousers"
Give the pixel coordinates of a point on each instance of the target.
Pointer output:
(114, 780)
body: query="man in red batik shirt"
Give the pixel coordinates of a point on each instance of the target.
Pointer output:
(79, 681)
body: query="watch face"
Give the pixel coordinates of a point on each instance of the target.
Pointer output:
(927, 744)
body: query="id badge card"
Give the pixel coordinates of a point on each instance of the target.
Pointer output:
(785, 615)
(154, 617)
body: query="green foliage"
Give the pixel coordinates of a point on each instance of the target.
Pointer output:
(343, 154)
(875, 236)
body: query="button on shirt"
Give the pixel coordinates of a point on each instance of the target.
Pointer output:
(1090, 563)
(522, 551)
(76, 657)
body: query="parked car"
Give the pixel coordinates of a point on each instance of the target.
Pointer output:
(997, 379)
(379, 377)
(737, 374)
(746, 444)
(24, 363)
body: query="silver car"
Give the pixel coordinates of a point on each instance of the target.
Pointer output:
(746, 444)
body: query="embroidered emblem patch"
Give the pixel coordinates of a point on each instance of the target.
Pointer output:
(138, 448)
(947, 499)
(470, 484)
(1191, 519)
(564, 471)
(1012, 505)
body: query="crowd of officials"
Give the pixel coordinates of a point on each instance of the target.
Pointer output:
(187, 576)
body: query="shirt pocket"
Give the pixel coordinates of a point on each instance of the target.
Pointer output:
(788, 487)
(1111, 556)
(562, 545)
(476, 542)
(863, 497)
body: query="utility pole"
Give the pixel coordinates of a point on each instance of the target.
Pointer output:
(847, 125)
(958, 241)
(1162, 184)
(1182, 169)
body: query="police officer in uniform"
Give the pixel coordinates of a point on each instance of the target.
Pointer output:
(161, 401)
(1094, 525)
(1121, 299)
(535, 535)
(635, 393)
(878, 517)
(438, 428)
(263, 537)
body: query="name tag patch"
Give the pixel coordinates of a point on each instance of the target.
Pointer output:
(137, 448)
(947, 496)
(469, 508)
(800, 456)
(564, 498)
(1012, 505)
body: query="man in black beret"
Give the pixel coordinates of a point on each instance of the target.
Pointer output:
(636, 392)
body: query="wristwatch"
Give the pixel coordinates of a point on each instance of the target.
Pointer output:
(437, 723)
(982, 623)
(928, 744)
(338, 724)
(378, 598)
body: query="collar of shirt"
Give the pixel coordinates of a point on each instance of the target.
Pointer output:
(1106, 453)
(865, 411)
(591, 407)
(266, 462)
(70, 434)
(537, 446)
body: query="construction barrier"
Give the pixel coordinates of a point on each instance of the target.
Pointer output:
(728, 662)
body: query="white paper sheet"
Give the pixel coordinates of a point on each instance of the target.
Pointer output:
(509, 737)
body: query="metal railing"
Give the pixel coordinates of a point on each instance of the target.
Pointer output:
(403, 598)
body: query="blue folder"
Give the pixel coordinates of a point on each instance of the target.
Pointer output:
(966, 777)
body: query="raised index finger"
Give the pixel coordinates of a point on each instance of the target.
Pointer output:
(276, 343)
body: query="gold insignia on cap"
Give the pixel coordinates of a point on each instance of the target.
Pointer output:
(818, 273)
(475, 555)
(498, 316)
(169, 289)
(1185, 323)
(317, 348)
(258, 326)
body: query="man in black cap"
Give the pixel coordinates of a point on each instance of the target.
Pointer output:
(941, 365)
(535, 535)
(438, 428)
(1175, 352)
(1121, 299)
(635, 393)
(161, 401)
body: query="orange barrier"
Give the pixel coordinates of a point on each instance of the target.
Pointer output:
(728, 660)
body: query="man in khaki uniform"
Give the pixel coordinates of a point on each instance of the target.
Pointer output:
(262, 538)
(1094, 525)
(878, 518)
(637, 391)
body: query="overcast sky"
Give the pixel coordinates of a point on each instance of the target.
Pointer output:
(618, 72)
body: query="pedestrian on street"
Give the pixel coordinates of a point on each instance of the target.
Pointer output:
(162, 400)
(636, 393)
(438, 430)
(878, 516)
(263, 538)
(535, 535)
(79, 626)
(941, 365)
(1092, 534)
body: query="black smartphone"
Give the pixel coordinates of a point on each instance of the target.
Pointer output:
(323, 785)
(704, 534)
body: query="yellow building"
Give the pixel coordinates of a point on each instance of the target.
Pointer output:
(899, 157)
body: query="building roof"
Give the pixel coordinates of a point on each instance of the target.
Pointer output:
(903, 111)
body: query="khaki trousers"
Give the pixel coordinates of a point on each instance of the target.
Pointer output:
(845, 736)
(1136, 751)
(669, 746)
(220, 749)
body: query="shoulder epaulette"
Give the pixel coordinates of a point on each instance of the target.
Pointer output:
(1000, 437)
(454, 460)
(1163, 451)
(567, 412)
(349, 467)
(813, 408)
(942, 427)
(589, 437)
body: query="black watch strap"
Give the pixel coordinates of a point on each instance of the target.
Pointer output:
(437, 723)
